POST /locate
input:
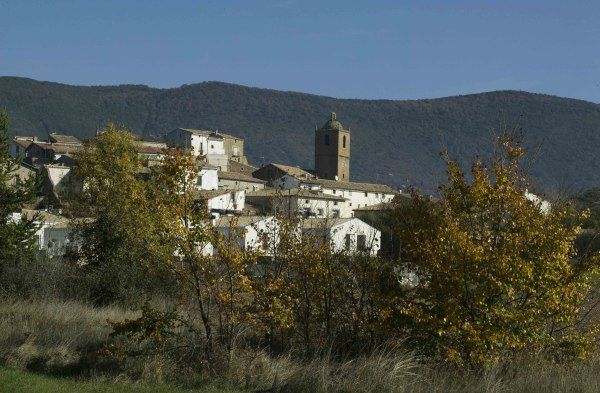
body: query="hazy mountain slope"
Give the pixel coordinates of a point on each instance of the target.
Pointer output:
(391, 140)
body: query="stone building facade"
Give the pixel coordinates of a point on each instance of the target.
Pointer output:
(332, 151)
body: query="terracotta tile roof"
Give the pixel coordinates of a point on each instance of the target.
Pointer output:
(352, 186)
(48, 217)
(58, 148)
(297, 192)
(377, 207)
(206, 133)
(228, 136)
(239, 176)
(235, 166)
(294, 171)
(22, 142)
(238, 221)
(150, 147)
(58, 138)
(208, 194)
(317, 223)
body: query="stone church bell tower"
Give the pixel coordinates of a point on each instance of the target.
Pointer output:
(332, 151)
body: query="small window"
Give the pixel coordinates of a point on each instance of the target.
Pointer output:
(336, 213)
(361, 242)
(366, 194)
(348, 241)
(335, 203)
(326, 139)
(344, 141)
(212, 146)
(333, 191)
(320, 211)
(306, 201)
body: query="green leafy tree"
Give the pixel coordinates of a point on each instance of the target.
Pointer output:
(496, 274)
(17, 240)
(119, 228)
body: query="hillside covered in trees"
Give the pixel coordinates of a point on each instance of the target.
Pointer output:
(394, 142)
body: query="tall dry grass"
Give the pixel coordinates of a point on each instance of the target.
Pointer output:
(64, 338)
(403, 373)
(61, 337)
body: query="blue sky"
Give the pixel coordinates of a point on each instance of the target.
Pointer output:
(351, 49)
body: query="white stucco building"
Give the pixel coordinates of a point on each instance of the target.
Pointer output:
(344, 235)
(152, 151)
(209, 144)
(207, 178)
(298, 202)
(356, 195)
(54, 232)
(221, 202)
(239, 181)
(252, 233)
(57, 183)
(544, 205)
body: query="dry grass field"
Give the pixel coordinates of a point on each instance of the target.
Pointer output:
(42, 342)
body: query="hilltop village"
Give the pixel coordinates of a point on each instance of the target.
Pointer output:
(236, 193)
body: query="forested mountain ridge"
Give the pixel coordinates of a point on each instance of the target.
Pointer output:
(394, 142)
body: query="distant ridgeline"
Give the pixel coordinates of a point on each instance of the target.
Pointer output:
(393, 142)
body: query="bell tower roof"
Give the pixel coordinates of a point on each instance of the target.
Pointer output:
(333, 123)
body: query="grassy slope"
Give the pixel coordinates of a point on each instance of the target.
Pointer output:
(54, 337)
(401, 138)
(21, 382)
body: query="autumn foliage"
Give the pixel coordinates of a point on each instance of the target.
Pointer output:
(483, 272)
(497, 273)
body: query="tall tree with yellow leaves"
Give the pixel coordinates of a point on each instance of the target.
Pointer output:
(495, 273)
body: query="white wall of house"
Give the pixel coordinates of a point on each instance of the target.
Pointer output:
(355, 198)
(228, 184)
(58, 174)
(207, 179)
(213, 149)
(262, 235)
(351, 236)
(53, 234)
(214, 145)
(322, 208)
(544, 205)
(202, 144)
(55, 239)
(230, 201)
(355, 236)
(199, 143)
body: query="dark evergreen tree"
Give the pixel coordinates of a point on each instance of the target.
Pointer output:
(17, 241)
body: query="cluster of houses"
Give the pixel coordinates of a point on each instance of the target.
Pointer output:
(240, 197)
